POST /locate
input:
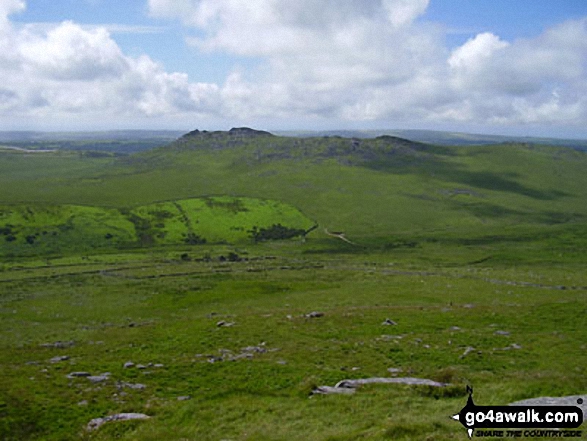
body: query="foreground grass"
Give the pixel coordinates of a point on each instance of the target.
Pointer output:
(155, 307)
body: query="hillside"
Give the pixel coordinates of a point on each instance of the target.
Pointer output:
(53, 229)
(445, 138)
(217, 285)
(371, 189)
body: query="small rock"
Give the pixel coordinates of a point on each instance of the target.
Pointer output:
(328, 390)
(83, 403)
(455, 328)
(349, 386)
(467, 351)
(97, 422)
(255, 349)
(128, 364)
(389, 322)
(315, 314)
(59, 359)
(79, 374)
(137, 386)
(390, 337)
(504, 333)
(99, 378)
(184, 398)
(58, 344)
(224, 324)
(141, 366)
(394, 370)
(158, 365)
(403, 380)
(515, 346)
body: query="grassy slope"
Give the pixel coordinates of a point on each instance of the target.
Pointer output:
(479, 238)
(156, 308)
(36, 229)
(395, 187)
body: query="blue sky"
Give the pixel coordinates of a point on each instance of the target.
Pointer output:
(491, 66)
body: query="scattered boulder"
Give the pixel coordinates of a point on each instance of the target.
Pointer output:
(79, 374)
(329, 390)
(315, 314)
(99, 378)
(390, 337)
(509, 348)
(246, 353)
(59, 358)
(400, 380)
(255, 349)
(128, 365)
(224, 324)
(349, 386)
(504, 333)
(137, 386)
(184, 398)
(389, 322)
(468, 350)
(58, 344)
(97, 422)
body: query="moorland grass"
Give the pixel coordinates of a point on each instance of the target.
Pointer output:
(452, 244)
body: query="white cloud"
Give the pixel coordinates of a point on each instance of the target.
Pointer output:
(476, 52)
(360, 60)
(338, 60)
(527, 81)
(68, 52)
(402, 12)
(8, 7)
(64, 70)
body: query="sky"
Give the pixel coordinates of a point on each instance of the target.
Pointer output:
(482, 66)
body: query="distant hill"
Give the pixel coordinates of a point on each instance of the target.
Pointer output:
(115, 142)
(133, 141)
(120, 135)
(444, 138)
(371, 189)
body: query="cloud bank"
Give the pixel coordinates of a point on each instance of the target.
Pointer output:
(340, 61)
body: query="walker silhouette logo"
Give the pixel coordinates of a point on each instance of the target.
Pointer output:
(474, 417)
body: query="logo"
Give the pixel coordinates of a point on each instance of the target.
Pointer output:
(474, 417)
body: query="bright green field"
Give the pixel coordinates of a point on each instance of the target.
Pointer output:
(483, 239)
(35, 229)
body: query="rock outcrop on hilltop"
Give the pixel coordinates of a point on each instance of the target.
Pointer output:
(241, 132)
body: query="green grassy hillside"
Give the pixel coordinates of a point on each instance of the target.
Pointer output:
(166, 260)
(369, 189)
(52, 229)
